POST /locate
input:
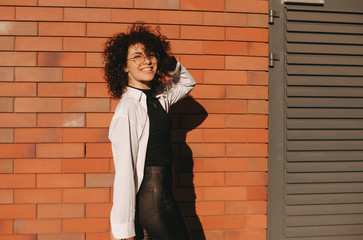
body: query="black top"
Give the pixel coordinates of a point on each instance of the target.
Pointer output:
(159, 150)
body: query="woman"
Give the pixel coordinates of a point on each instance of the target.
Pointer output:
(137, 66)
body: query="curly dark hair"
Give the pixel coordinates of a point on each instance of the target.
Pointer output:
(115, 55)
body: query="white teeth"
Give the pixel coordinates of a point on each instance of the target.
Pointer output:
(146, 69)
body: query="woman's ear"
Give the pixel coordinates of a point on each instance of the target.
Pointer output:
(126, 69)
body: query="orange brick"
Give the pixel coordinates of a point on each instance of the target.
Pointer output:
(6, 228)
(19, 2)
(209, 91)
(19, 237)
(203, 33)
(37, 226)
(186, 47)
(94, 60)
(60, 180)
(223, 222)
(246, 63)
(204, 150)
(247, 34)
(61, 59)
(61, 236)
(98, 119)
(257, 78)
(132, 15)
(247, 6)
(87, 14)
(86, 195)
(257, 49)
(17, 59)
(38, 44)
(17, 211)
(60, 150)
(224, 106)
(86, 225)
(37, 105)
(246, 179)
(18, 28)
(61, 89)
(224, 164)
(223, 193)
(86, 105)
(85, 165)
(246, 207)
(224, 77)
(6, 135)
(185, 135)
(37, 165)
(99, 179)
(98, 150)
(213, 235)
(225, 19)
(6, 43)
(7, 13)
(256, 222)
(6, 196)
(85, 135)
(61, 120)
(98, 236)
(61, 28)
(246, 150)
(84, 44)
(257, 164)
(83, 75)
(214, 5)
(204, 179)
(257, 135)
(98, 210)
(202, 62)
(17, 180)
(225, 48)
(6, 166)
(246, 234)
(247, 92)
(258, 20)
(247, 121)
(209, 208)
(17, 150)
(225, 135)
(180, 17)
(17, 120)
(106, 29)
(38, 74)
(39, 13)
(61, 210)
(171, 31)
(6, 74)
(37, 196)
(97, 90)
(258, 106)
(62, 3)
(257, 193)
(160, 4)
(210, 121)
(17, 89)
(110, 3)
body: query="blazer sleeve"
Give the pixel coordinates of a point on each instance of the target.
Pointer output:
(123, 136)
(180, 85)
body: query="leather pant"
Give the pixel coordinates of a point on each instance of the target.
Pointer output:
(158, 216)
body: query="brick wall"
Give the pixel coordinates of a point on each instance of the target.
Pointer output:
(55, 158)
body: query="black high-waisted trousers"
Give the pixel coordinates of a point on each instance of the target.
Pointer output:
(158, 216)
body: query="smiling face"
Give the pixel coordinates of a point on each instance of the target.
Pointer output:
(141, 68)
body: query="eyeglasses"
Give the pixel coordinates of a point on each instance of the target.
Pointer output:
(140, 58)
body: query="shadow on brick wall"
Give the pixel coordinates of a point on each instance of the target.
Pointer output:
(187, 115)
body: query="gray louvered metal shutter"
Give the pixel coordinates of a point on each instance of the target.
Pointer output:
(322, 191)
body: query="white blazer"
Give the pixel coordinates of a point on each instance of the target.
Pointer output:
(129, 134)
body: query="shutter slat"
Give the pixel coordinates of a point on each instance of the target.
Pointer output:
(324, 177)
(345, 237)
(324, 188)
(325, 102)
(324, 38)
(324, 49)
(325, 92)
(324, 156)
(324, 70)
(325, 124)
(324, 230)
(324, 134)
(324, 81)
(323, 27)
(325, 167)
(324, 145)
(324, 17)
(324, 113)
(324, 59)
(325, 199)
(324, 209)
